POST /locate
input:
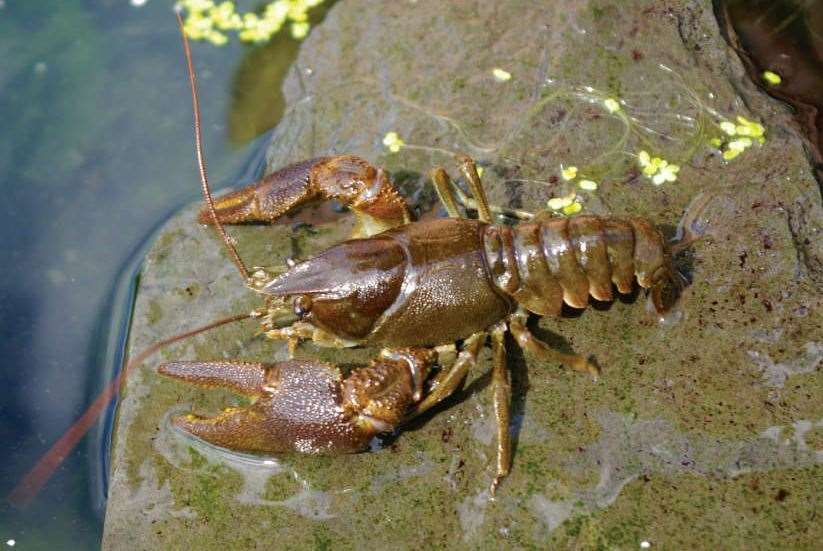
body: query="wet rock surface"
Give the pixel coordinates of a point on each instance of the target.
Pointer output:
(703, 432)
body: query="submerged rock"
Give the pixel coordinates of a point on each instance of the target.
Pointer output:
(706, 429)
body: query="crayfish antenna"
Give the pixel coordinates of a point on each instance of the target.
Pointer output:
(31, 484)
(694, 224)
(201, 160)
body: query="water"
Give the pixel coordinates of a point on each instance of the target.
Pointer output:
(785, 37)
(96, 151)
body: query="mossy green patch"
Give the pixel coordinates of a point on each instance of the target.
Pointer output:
(206, 492)
(752, 511)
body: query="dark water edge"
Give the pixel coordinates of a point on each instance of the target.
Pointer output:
(785, 37)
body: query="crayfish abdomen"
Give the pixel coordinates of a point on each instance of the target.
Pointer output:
(546, 263)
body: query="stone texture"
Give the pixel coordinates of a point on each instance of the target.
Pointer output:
(703, 432)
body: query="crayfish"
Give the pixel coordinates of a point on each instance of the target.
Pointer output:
(412, 288)
(429, 294)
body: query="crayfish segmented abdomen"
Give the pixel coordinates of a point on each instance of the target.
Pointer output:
(543, 264)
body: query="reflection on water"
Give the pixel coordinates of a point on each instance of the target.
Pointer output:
(95, 152)
(256, 99)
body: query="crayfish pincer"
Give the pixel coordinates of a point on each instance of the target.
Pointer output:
(305, 406)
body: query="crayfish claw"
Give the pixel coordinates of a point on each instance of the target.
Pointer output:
(267, 199)
(247, 378)
(352, 181)
(297, 407)
(305, 406)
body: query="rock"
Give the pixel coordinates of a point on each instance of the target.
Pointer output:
(707, 429)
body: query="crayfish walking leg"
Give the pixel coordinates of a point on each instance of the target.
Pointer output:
(502, 398)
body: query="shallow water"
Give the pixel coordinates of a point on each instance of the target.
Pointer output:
(785, 37)
(96, 151)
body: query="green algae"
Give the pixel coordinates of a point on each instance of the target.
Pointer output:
(752, 511)
(155, 312)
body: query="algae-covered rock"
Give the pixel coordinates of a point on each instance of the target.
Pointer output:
(704, 431)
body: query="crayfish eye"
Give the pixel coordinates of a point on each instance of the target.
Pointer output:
(302, 306)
